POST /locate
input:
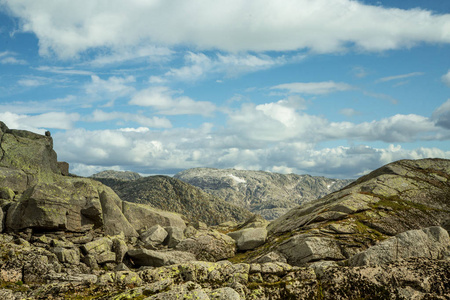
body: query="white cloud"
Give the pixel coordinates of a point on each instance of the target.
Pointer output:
(176, 149)
(314, 88)
(166, 102)
(34, 81)
(155, 122)
(446, 78)
(397, 77)
(149, 53)
(199, 65)
(68, 28)
(395, 129)
(38, 123)
(442, 115)
(110, 89)
(64, 70)
(279, 121)
(349, 112)
(12, 61)
(7, 58)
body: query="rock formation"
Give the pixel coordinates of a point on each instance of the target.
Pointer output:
(267, 194)
(64, 237)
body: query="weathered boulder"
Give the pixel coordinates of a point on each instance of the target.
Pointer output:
(300, 250)
(249, 238)
(209, 245)
(143, 216)
(154, 235)
(115, 222)
(12, 180)
(120, 248)
(432, 243)
(225, 293)
(144, 257)
(97, 246)
(174, 236)
(63, 205)
(70, 256)
(27, 151)
(188, 290)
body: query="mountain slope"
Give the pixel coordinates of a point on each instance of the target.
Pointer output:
(401, 196)
(171, 194)
(268, 194)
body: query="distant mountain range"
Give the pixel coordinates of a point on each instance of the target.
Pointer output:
(171, 194)
(268, 194)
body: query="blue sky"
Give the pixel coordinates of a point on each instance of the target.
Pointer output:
(334, 88)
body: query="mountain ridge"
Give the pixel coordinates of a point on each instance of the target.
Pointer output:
(266, 193)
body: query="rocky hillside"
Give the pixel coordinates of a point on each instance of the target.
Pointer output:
(268, 194)
(118, 175)
(399, 197)
(174, 195)
(64, 237)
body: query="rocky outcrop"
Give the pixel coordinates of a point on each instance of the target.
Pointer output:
(431, 242)
(34, 194)
(268, 194)
(398, 197)
(170, 194)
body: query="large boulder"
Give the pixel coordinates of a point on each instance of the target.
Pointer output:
(143, 216)
(24, 150)
(154, 235)
(432, 243)
(249, 238)
(209, 245)
(144, 257)
(63, 205)
(300, 250)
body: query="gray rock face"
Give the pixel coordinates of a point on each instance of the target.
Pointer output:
(249, 238)
(431, 242)
(300, 250)
(144, 257)
(209, 246)
(143, 216)
(154, 235)
(174, 236)
(265, 193)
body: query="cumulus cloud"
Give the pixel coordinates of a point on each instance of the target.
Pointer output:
(165, 101)
(442, 115)
(68, 28)
(176, 149)
(314, 88)
(155, 122)
(110, 89)
(37, 123)
(446, 78)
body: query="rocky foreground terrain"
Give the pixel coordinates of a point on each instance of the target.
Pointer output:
(270, 195)
(64, 237)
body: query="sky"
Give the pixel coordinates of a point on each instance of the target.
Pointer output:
(335, 88)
